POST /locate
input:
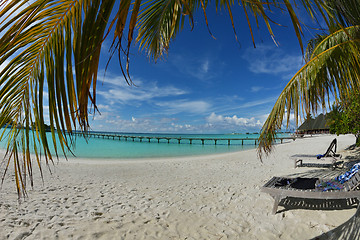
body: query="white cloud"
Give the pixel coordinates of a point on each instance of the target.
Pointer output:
(164, 98)
(101, 116)
(263, 117)
(240, 124)
(256, 88)
(116, 80)
(173, 107)
(250, 104)
(103, 107)
(233, 121)
(258, 102)
(182, 127)
(166, 120)
(199, 68)
(46, 114)
(205, 66)
(120, 92)
(135, 124)
(272, 60)
(213, 123)
(292, 125)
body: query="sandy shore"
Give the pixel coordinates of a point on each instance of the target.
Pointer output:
(202, 197)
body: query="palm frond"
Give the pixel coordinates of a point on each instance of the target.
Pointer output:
(346, 12)
(333, 68)
(41, 41)
(160, 21)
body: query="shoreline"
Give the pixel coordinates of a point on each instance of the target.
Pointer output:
(109, 149)
(97, 160)
(199, 197)
(164, 158)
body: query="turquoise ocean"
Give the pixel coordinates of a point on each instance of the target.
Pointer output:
(120, 149)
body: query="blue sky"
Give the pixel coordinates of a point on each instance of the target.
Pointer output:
(203, 85)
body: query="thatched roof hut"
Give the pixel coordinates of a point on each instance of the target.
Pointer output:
(314, 126)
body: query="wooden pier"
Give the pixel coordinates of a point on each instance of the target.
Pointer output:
(168, 139)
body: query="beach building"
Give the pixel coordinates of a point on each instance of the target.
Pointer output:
(314, 126)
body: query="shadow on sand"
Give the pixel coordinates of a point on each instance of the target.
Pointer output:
(290, 203)
(351, 228)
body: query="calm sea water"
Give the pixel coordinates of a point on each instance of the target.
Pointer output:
(121, 149)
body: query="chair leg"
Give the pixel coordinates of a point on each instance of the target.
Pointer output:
(358, 208)
(276, 204)
(296, 163)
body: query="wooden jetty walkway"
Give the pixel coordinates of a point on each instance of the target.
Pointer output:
(168, 139)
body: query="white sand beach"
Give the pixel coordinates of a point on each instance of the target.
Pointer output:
(199, 197)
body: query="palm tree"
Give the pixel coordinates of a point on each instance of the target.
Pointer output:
(332, 68)
(344, 117)
(51, 48)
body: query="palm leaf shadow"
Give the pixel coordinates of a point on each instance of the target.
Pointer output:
(348, 230)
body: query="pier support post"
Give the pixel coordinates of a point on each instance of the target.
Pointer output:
(215, 141)
(228, 141)
(179, 139)
(190, 141)
(202, 141)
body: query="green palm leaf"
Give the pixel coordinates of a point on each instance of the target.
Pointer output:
(45, 38)
(333, 67)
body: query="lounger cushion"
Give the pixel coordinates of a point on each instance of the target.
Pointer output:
(297, 183)
(304, 183)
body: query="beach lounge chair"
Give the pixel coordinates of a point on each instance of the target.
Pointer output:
(331, 151)
(314, 188)
(330, 155)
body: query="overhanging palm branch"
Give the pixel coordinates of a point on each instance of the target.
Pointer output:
(333, 68)
(50, 49)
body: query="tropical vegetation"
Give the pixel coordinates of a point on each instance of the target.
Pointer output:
(51, 48)
(332, 69)
(344, 117)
